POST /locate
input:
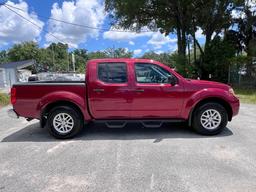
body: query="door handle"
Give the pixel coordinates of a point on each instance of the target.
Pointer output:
(139, 90)
(98, 90)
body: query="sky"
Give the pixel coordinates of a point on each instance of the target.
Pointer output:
(14, 29)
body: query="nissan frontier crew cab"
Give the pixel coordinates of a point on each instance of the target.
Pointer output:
(117, 91)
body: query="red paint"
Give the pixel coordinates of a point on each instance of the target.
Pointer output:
(122, 101)
(13, 95)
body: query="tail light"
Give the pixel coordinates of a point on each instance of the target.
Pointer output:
(13, 95)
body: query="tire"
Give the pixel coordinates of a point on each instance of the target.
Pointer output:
(64, 122)
(209, 119)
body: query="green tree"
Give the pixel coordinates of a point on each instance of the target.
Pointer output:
(97, 55)
(4, 57)
(247, 33)
(170, 16)
(118, 53)
(213, 17)
(164, 58)
(182, 17)
(59, 57)
(81, 57)
(217, 61)
(173, 60)
(23, 51)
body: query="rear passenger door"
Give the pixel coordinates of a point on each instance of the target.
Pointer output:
(109, 96)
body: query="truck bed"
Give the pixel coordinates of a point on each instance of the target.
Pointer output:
(32, 96)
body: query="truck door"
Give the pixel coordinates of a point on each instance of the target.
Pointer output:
(109, 96)
(153, 96)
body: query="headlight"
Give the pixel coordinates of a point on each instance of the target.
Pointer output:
(232, 92)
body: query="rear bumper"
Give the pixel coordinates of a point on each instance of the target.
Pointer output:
(12, 113)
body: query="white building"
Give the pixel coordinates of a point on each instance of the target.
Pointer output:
(14, 72)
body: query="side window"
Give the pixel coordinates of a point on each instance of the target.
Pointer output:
(112, 72)
(150, 73)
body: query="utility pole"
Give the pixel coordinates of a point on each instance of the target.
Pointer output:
(68, 60)
(52, 48)
(73, 62)
(113, 51)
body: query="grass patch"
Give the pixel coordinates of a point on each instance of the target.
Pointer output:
(4, 99)
(246, 95)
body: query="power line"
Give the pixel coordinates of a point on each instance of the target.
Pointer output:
(46, 31)
(41, 28)
(79, 25)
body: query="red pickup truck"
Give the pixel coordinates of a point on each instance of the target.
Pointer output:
(117, 91)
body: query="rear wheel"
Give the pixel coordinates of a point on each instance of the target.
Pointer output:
(210, 119)
(64, 122)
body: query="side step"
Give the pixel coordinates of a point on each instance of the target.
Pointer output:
(115, 124)
(152, 124)
(149, 123)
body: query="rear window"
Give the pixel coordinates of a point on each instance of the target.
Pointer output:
(112, 72)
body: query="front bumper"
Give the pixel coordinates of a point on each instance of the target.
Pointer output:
(12, 113)
(235, 106)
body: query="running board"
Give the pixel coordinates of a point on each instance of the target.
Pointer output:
(152, 124)
(115, 124)
(148, 123)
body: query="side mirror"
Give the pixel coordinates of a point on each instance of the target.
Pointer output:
(172, 80)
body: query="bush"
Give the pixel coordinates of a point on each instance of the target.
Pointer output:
(4, 99)
(246, 95)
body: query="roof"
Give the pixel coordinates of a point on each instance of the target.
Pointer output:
(123, 60)
(18, 64)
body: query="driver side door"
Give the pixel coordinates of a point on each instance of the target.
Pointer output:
(153, 97)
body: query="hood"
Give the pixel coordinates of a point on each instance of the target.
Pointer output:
(209, 84)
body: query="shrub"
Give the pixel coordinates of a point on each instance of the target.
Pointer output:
(4, 99)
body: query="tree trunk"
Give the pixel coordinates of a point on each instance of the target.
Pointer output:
(179, 40)
(204, 64)
(183, 43)
(181, 36)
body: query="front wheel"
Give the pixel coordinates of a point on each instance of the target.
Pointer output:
(64, 122)
(210, 119)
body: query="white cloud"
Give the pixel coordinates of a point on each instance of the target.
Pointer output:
(159, 52)
(241, 14)
(237, 14)
(125, 35)
(14, 29)
(173, 47)
(131, 43)
(158, 40)
(199, 34)
(83, 12)
(137, 52)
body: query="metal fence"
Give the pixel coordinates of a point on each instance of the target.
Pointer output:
(243, 76)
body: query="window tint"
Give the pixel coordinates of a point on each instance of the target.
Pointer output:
(112, 72)
(149, 73)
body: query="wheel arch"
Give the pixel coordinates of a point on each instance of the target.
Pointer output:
(218, 100)
(45, 111)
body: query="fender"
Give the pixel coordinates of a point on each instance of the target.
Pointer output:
(200, 95)
(64, 96)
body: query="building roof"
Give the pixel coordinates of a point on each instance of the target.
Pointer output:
(18, 64)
